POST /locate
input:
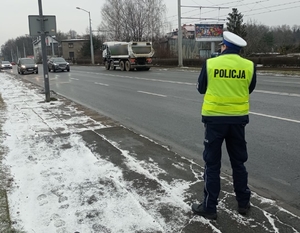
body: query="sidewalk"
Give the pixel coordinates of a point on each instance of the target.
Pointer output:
(74, 170)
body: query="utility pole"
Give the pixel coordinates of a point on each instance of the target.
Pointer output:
(52, 46)
(18, 53)
(11, 53)
(91, 34)
(44, 55)
(212, 40)
(179, 36)
(24, 50)
(91, 40)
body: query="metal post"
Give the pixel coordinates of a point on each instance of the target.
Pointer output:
(180, 62)
(44, 55)
(52, 46)
(91, 34)
(212, 47)
(24, 50)
(91, 38)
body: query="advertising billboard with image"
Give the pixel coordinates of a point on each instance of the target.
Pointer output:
(208, 32)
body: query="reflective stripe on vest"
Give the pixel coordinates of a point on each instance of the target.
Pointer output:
(228, 80)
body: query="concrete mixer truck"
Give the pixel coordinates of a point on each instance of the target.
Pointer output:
(127, 55)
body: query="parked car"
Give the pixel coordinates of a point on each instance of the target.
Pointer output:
(5, 65)
(27, 65)
(58, 63)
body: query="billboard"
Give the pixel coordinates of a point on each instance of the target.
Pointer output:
(208, 32)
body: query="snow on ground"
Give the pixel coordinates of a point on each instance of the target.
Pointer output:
(56, 180)
(60, 185)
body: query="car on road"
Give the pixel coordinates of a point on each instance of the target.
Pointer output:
(58, 64)
(5, 65)
(27, 65)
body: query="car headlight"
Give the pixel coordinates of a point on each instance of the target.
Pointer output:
(36, 65)
(67, 64)
(23, 66)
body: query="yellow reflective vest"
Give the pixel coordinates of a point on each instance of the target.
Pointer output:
(228, 80)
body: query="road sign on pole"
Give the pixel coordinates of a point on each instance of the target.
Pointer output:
(42, 25)
(35, 27)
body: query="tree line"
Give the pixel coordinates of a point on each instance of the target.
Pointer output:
(144, 20)
(264, 39)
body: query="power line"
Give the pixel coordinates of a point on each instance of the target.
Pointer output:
(275, 10)
(247, 4)
(251, 10)
(283, 4)
(223, 4)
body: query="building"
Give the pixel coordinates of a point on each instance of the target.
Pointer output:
(71, 48)
(188, 32)
(52, 48)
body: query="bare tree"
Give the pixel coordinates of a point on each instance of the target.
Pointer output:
(136, 20)
(283, 38)
(73, 34)
(259, 37)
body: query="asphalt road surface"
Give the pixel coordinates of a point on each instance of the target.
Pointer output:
(164, 105)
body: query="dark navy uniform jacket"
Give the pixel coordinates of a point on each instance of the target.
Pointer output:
(202, 86)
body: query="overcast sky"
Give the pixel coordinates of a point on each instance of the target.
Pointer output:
(14, 13)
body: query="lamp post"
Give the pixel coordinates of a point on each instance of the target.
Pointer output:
(52, 46)
(91, 37)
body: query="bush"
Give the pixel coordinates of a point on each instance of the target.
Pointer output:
(282, 61)
(171, 62)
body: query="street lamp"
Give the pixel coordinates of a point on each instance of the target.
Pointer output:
(91, 37)
(52, 45)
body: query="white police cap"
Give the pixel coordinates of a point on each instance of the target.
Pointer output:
(230, 38)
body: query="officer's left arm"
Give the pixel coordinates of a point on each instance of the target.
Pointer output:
(253, 81)
(202, 80)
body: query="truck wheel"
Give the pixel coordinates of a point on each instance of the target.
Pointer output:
(107, 65)
(122, 66)
(112, 67)
(127, 66)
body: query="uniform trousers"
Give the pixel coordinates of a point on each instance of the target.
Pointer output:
(234, 136)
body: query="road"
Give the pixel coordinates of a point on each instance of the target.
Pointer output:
(163, 104)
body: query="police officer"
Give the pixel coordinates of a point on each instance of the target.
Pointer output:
(226, 81)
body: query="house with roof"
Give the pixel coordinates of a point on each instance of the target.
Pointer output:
(52, 48)
(71, 48)
(188, 32)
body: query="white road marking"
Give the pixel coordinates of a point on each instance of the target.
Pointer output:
(186, 83)
(277, 93)
(275, 117)
(150, 79)
(149, 93)
(62, 82)
(74, 79)
(271, 81)
(102, 84)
